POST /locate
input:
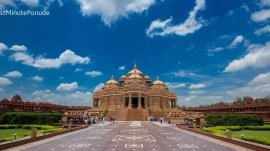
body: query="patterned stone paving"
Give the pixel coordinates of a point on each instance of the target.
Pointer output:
(129, 136)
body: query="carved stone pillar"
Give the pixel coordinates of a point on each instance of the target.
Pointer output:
(129, 100)
(140, 101)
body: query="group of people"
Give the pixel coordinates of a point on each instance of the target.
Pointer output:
(93, 120)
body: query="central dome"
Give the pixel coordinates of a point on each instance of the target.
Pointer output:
(135, 71)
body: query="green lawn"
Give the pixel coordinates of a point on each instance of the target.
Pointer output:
(7, 131)
(8, 134)
(255, 135)
(251, 133)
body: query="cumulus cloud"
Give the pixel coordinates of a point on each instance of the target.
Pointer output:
(190, 25)
(259, 86)
(99, 86)
(238, 39)
(37, 78)
(13, 74)
(111, 10)
(175, 85)
(67, 57)
(122, 68)
(2, 47)
(76, 98)
(93, 73)
(67, 86)
(258, 57)
(261, 79)
(265, 29)
(4, 81)
(197, 86)
(18, 48)
(261, 15)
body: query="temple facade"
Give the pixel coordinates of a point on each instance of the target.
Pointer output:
(134, 90)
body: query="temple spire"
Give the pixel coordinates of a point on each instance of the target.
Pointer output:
(112, 78)
(157, 77)
(135, 66)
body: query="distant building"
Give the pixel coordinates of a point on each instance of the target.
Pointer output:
(17, 105)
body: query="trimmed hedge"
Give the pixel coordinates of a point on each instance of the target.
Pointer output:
(234, 119)
(30, 118)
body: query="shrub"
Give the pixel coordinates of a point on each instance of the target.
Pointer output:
(30, 118)
(234, 119)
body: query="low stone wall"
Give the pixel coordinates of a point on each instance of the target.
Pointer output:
(232, 141)
(29, 140)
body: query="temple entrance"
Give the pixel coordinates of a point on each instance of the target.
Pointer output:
(126, 102)
(134, 102)
(143, 103)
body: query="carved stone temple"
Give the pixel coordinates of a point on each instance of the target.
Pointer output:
(134, 90)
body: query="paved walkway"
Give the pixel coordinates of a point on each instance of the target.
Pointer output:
(129, 136)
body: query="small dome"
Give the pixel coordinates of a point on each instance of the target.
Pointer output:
(112, 81)
(123, 76)
(158, 81)
(146, 77)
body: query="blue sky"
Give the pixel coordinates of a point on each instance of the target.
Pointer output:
(204, 50)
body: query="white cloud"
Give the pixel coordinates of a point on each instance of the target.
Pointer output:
(67, 57)
(187, 74)
(261, 15)
(265, 29)
(197, 86)
(4, 81)
(196, 92)
(111, 10)
(258, 57)
(18, 48)
(5, 3)
(175, 85)
(78, 70)
(190, 25)
(217, 49)
(93, 73)
(259, 86)
(265, 3)
(238, 39)
(67, 86)
(13, 74)
(260, 79)
(196, 100)
(2, 47)
(37, 78)
(122, 68)
(76, 98)
(99, 86)
(31, 3)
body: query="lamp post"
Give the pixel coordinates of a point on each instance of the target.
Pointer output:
(15, 135)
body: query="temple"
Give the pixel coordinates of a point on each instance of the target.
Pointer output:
(134, 90)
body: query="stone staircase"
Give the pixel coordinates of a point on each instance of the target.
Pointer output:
(122, 115)
(158, 114)
(137, 115)
(112, 113)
